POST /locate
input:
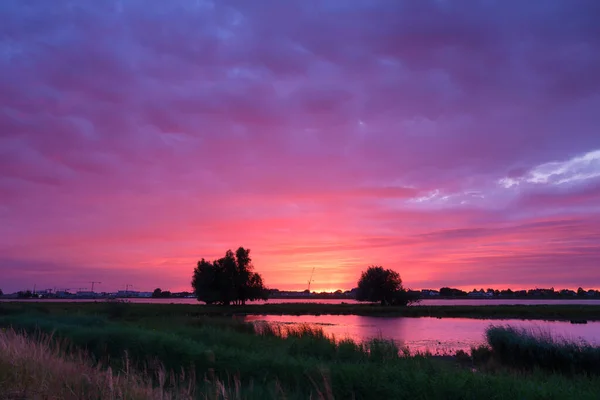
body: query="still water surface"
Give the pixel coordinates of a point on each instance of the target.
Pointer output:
(433, 334)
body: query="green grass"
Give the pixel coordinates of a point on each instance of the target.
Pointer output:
(273, 361)
(563, 312)
(520, 348)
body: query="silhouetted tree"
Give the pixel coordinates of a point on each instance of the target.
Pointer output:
(228, 280)
(157, 293)
(1, 293)
(581, 292)
(382, 285)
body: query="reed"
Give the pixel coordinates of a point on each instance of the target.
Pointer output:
(42, 368)
(526, 349)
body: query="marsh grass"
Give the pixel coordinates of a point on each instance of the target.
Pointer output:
(292, 362)
(42, 368)
(529, 349)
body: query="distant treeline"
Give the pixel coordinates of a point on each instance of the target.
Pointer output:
(445, 292)
(534, 293)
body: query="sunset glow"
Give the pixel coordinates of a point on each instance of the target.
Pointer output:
(455, 142)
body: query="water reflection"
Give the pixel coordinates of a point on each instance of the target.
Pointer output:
(432, 334)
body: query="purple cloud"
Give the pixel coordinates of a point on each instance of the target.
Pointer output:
(136, 135)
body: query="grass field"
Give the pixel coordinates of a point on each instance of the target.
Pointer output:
(567, 312)
(180, 354)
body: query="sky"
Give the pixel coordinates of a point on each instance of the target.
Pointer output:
(456, 142)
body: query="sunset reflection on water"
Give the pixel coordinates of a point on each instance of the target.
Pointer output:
(436, 335)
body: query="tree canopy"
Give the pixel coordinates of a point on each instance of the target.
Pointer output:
(382, 285)
(228, 280)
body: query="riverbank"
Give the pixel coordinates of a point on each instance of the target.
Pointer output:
(221, 357)
(565, 312)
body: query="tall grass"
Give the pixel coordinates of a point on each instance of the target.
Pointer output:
(526, 349)
(37, 368)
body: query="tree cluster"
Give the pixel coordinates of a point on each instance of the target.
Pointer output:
(228, 280)
(534, 293)
(384, 286)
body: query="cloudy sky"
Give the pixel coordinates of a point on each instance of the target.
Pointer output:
(457, 142)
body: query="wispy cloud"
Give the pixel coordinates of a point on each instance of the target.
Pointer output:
(580, 168)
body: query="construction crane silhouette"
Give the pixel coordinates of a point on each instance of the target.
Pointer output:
(127, 286)
(310, 280)
(94, 282)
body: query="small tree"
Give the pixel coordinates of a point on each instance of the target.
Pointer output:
(382, 285)
(1, 293)
(157, 293)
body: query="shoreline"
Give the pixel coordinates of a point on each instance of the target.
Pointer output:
(304, 299)
(574, 313)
